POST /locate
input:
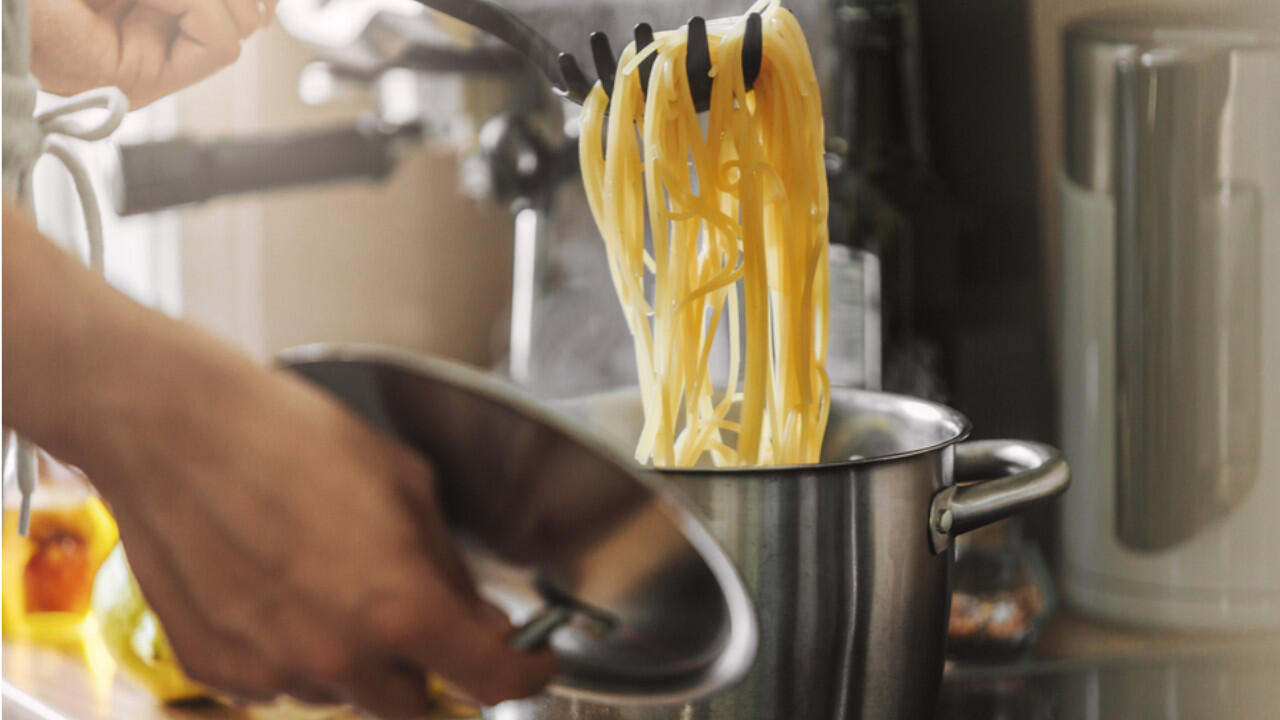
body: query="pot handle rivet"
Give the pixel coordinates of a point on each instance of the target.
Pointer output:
(944, 521)
(993, 480)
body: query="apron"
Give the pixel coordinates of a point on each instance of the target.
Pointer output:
(27, 136)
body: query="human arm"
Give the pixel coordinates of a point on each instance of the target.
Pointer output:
(284, 545)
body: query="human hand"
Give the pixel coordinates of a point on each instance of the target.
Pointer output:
(295, 551)
(147, 48)
(285, 546)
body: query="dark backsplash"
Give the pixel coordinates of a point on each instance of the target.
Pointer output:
(982, 138)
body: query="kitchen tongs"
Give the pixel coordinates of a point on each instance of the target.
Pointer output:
(562, 69)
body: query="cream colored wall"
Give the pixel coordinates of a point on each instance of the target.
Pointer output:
(407, 262)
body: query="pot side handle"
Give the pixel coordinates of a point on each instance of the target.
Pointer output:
(994, 479)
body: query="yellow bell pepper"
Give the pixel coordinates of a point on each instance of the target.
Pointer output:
(49, 574)
(134, 636)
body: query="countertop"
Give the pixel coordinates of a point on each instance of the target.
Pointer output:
(1077, 669)
(1082, 669)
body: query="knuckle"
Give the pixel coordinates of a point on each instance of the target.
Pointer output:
(397, 709)
(256, 689)
(491, 695)
(394, 711)
(230, 53)
(503, 681)
(395, 621)
(496, 691)
(527, 676)
(395, 695)
(329, 663)
(247, 681)
(256, 681)
(202, 669)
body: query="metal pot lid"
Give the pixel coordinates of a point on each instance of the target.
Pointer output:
(554, 525)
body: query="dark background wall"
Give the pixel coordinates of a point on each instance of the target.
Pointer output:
(979, 97)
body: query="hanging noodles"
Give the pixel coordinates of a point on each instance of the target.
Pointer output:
(744, 204)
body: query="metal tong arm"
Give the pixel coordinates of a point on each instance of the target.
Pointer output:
(562, 69)
(697, 61)
(504, 25)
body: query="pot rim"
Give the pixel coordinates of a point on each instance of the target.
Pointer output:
(552, 411)
(946, 414)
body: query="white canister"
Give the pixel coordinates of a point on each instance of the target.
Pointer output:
(1169, 345)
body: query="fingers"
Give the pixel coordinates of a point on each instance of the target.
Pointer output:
(468, 645)
(392, 692)
(418, 488)
(522, 672)
(247, 15)
(207, 38)
(268, 11)
(308, 692)
(448, 628)
(525, 672)
(233, 669)
(158, 58)
(213, 23)
(209, 23)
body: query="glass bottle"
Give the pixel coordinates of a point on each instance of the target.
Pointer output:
(886, 203)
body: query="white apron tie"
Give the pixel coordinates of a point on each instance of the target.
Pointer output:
(54, 125)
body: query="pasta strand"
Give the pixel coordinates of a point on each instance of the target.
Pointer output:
(735, 212)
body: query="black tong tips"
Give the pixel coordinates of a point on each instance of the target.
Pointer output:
(697, 61)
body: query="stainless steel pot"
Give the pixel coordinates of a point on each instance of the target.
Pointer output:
(848, 561)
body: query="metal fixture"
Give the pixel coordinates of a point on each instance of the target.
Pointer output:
(157, 175)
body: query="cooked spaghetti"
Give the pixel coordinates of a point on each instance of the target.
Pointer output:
(742, 203)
